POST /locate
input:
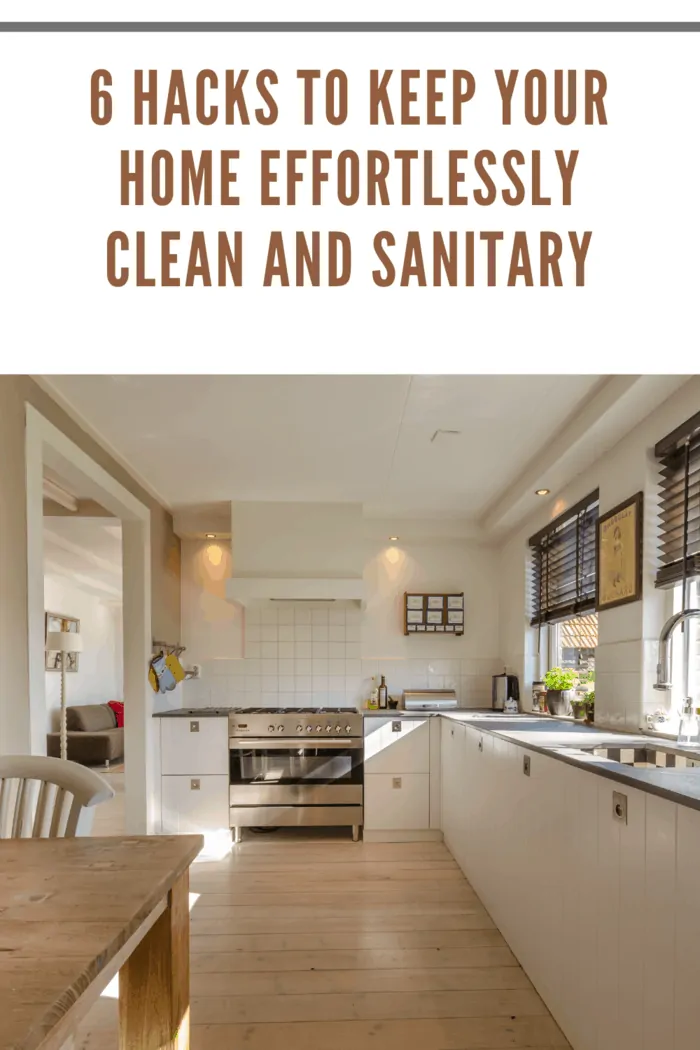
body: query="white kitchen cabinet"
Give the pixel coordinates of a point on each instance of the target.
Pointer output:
(398, 745)
(402, 779)
(603, 914)
(435, 774)
(397, 802)
(194, 746)
(194, 804)
(687, 923)
(451, 762)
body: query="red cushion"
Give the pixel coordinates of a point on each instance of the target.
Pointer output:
(118, 708)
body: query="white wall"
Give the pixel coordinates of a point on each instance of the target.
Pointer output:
(294, 654)
(627, 650)
(100, 677)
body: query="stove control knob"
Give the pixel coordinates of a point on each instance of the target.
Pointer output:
(300, 729)
(270, 729)
(348, 729)
(329, 729)
(309, 729)
(339, 729)
(318, 729)
(280, 729)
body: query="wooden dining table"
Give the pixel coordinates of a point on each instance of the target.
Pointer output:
(73, 912)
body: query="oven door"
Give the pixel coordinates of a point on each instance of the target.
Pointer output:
(285, 772)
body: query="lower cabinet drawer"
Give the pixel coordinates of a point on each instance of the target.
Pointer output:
(397, 801)
(194, 804)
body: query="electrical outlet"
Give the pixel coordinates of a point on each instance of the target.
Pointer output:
(396, 782)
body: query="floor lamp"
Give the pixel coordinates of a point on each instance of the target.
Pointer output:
(63, 642)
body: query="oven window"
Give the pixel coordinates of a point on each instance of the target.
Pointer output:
(312, 765)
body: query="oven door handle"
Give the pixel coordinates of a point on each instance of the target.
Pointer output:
(236, 743)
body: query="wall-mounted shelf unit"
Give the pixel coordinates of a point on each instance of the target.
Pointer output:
(433, 613)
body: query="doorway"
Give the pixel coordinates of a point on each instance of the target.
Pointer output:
(49, 450)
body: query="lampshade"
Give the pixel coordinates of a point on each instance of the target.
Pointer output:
(64, 642)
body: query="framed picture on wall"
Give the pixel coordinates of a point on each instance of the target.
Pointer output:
(436, 601)
(59, 622)
(619, 554)
(414, 601)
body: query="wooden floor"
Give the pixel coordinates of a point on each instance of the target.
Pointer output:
(308, 941)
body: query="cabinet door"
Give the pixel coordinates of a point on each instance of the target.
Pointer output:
(194, 804)
(435, 773)
(451, 757)
(196, 746)
(397, 746)
(687, 905)
(399, 802)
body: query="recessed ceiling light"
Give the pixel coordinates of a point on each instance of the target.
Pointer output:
(541, 492)
(211, 536)
(393, 539)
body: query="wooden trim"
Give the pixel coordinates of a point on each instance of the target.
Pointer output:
(682, 433)
(553, 525)
(638, 501)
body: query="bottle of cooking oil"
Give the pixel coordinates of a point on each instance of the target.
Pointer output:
(383, 694)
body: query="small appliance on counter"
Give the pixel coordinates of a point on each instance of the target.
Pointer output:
(429, 699)
(504, 687)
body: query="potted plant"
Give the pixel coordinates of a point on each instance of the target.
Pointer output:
(560, 690)
(590, 707)
(578, 706)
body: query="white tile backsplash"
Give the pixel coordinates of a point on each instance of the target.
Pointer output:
(296, 656)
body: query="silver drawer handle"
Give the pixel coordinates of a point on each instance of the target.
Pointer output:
(481, 745)
(396, 727)
(194, 727)
(194, 785)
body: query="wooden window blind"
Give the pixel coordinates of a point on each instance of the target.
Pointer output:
(563, 564)
(679, 504)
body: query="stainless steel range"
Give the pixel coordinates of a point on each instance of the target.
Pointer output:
(295, 766)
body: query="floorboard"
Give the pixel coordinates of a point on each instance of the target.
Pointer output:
(313, 943)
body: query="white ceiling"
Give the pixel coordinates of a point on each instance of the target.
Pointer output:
(367, 439)
(86, 551)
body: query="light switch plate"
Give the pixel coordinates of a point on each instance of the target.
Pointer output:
(194, 727)
(194, 785)
(396, 782)
(396, 727)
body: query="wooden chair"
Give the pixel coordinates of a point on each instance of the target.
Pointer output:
(45, 797)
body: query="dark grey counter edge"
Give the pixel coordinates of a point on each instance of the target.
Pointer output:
(191, 712)
(641, 779)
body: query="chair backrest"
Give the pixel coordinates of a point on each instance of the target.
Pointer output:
(43, 797)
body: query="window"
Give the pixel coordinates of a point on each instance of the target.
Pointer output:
(563, 561)
(572, 643)
(679, 504)
(679, 642)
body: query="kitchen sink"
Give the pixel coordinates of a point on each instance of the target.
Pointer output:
(646, 757)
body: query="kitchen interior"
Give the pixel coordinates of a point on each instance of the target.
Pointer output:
(460, 718)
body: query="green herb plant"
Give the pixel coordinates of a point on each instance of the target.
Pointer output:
(559, 680)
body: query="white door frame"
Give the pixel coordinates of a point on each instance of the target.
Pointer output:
(46, 444)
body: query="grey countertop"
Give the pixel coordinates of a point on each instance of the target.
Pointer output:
(564, 740)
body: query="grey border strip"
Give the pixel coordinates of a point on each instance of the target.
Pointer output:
(349, 27)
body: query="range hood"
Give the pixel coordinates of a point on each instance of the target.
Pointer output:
(296, 552)
(247, 590)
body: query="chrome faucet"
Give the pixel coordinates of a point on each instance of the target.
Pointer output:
(663, 667)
